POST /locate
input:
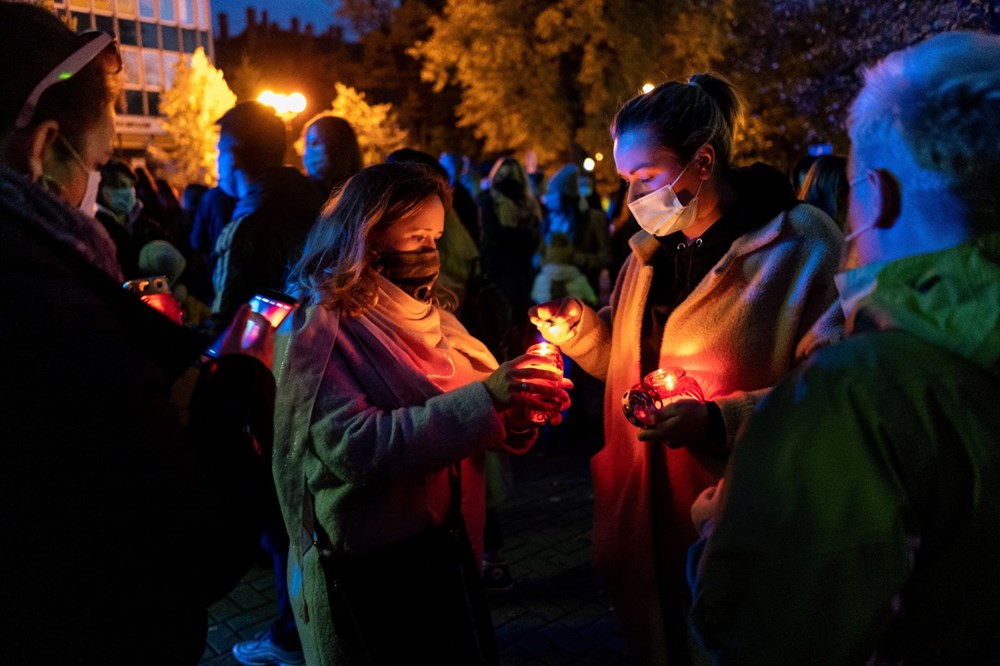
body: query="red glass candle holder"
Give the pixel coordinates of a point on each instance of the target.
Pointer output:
(554, 363)
(658, 389)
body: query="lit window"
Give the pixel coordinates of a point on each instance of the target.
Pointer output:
(167, 12)
(131, 66)
(186, 8)
(169, 69)
(151, 65)
(147, 9)
(125, 7)
(204, 14)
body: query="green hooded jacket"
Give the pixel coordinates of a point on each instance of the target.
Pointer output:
(860, 519)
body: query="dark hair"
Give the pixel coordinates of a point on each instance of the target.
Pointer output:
(111, 171)
(258, 136)
(114, 168)
(825, 186)
(191, 197)
(417, 157)
(168, 197)
(336, 268)
(340, 143)
(799, 171)
(686, 116)
(32, 42)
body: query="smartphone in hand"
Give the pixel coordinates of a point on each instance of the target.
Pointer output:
(271, 305)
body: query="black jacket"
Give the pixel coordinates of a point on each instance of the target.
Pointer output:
(269, 225)
(121, 523)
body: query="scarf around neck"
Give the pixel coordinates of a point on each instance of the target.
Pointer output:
(26, 202)
(419, 335)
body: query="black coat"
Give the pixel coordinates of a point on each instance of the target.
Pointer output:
(269, 226)
(120, 523)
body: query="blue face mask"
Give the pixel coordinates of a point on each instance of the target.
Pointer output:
(120, 199)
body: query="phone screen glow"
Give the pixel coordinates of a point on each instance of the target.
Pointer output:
(272, 310)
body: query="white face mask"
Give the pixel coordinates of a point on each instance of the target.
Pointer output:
(89, 202)
(660, 213)
(848, 250)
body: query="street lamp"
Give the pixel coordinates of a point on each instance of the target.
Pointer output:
(286, 106)
(647, 87)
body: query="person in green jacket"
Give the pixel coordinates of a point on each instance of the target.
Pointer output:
(859, 520)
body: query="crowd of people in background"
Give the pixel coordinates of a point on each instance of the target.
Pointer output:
(828, 492)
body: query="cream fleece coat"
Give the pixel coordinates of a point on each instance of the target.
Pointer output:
(761, 309)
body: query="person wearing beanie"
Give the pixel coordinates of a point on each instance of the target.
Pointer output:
(159, 257)
(587, 229)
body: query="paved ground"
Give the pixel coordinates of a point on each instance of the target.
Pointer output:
(557, 612)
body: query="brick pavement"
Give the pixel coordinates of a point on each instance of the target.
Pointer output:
(557, 612)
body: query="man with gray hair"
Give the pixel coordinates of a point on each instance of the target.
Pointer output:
(859, 521)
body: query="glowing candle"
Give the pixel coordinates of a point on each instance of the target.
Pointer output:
(658, 389)
(553, 362)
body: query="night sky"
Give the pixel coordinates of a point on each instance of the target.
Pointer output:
(317, 12)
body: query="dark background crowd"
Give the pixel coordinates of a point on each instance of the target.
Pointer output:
(833, 472)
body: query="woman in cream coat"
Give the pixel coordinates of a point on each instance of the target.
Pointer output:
(731, 279)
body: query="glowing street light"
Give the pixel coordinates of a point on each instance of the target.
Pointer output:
(286, 106)
(589, 164)
(647, 87)
(599, 157)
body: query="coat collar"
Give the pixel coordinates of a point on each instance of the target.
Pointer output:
(645, 245)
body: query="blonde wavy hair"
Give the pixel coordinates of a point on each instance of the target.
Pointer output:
(337, 265)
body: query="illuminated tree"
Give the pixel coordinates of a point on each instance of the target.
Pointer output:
(199, 96)
(376, 125)
(540, 75)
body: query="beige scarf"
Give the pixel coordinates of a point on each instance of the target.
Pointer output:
(426, 339)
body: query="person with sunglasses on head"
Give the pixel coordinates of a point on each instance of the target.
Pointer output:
(128, 504)
(730, 279)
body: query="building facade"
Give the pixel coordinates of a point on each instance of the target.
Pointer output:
(153, 36)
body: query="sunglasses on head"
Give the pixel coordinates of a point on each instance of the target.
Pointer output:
(95, 43)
